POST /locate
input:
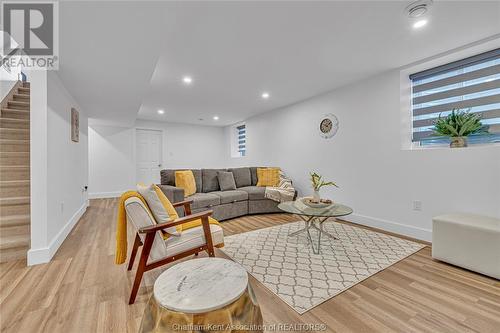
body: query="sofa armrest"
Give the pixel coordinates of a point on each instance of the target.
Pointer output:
(174, 194)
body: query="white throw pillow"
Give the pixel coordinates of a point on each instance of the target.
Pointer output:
(156, 207)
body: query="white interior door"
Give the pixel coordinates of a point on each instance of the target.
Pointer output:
(148, 155)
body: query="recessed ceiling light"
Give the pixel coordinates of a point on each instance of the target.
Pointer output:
(419, 24)
(187, 79)
(265, 95)
(161, 111)
(216, 117)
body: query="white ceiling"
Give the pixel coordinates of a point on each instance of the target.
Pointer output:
(125, 60)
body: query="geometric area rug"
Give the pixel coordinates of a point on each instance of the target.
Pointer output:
(288, 267)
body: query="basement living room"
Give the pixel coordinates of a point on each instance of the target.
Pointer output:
(250, 166)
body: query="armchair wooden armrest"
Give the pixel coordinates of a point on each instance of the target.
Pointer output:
(201, 215)
(186, 204)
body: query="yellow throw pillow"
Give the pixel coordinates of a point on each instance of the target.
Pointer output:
(268, 177)
(185, 179)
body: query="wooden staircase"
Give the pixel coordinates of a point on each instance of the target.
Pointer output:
(15, 174)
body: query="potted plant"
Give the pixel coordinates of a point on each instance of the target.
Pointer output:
(317, 183)
(458, 125)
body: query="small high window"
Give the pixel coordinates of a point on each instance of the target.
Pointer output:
(241, 138)
(471, 84)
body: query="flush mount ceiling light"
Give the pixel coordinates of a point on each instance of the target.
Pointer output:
(265, 95)
(418, 8)
(187, 79)
(161, 111)
(216, 118)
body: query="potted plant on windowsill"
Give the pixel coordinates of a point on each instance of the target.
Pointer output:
(458, 125)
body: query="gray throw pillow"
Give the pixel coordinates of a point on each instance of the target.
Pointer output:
(226, 180)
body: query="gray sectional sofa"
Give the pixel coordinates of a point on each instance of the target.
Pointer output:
(246, 199)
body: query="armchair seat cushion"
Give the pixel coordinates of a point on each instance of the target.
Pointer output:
(191, 238)
(254, 192)
(202, 200)
(231, 196)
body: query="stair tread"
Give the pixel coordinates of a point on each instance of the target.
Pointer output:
(19, 141)
(15, 110)
(13, 241)
(14, 201)
(12, 218)
(11, 183)
(18, 102)
(14, 153)
(8, 129)
(16, 119)
(14, 166)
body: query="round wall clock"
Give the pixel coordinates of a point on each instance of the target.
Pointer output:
(328, 125)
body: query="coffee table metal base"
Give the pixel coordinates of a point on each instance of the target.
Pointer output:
(310, 222)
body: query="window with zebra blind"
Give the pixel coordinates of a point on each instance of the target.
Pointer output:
(471, 84)
(241, 135)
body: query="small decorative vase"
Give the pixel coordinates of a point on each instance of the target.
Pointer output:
(458, 142)
(316, 196)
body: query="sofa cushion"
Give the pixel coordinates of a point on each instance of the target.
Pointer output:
(254, 192)
(253, 173)
(268, 177)
(193, 238)
(185, 180)
(162, 210)
(242, 176)
(226, 180)
(231, 196)
(168, 177)
(203, 200)
(210, 183)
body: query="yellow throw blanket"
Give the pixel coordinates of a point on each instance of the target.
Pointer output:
(121, 222)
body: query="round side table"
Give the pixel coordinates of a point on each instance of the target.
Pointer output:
(203, 295)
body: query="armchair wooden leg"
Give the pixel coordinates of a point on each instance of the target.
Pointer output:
(146, 249)
(137, 243)
(208, 236)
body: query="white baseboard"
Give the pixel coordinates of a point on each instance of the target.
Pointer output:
(397, 228)
(103, 195)
(44, 254)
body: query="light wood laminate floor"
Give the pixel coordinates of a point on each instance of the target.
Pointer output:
(82, 290)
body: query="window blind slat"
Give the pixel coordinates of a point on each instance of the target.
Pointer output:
(458, 92)
(458, 105)
(418, 136)
(490, 114)
(483, 72)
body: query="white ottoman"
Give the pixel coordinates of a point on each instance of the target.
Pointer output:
(469, 241)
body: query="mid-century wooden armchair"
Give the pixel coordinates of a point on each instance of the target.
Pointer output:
(158, 251)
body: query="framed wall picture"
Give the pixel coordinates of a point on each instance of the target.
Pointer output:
(75, 125)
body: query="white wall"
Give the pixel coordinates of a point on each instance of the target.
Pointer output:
(376, 177)
(59, 166)
(8, 80)
(112, 153)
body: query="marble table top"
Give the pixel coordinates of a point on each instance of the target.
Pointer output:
(200, 285)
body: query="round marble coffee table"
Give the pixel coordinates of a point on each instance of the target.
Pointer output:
(203, 295)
